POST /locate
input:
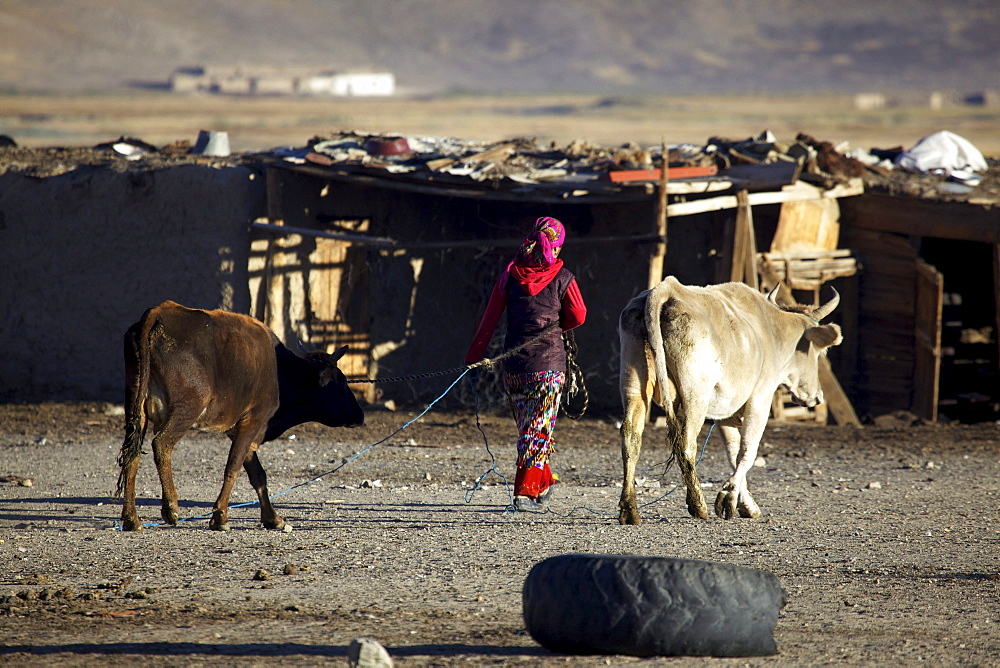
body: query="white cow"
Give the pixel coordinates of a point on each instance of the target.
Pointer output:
(714, 353)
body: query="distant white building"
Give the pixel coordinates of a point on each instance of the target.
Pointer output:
(869, 101)
(349, 84)
(281, 81)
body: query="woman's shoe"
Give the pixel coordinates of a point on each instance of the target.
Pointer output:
(526, 504)
(545, 497)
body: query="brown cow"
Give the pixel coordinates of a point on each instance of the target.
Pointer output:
(224, 372)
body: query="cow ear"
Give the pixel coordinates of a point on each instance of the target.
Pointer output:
(326, 374)
(825, 336)
(328, 370)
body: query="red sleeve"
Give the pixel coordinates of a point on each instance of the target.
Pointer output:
(494, 309)
(574, 311)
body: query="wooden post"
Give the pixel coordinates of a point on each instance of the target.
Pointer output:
(744, 261)
(274, 217)
(659, 253)
(274, 214)
(836, 399)
(996, 297)
(927, 339)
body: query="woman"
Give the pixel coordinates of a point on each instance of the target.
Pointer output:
(537, 292)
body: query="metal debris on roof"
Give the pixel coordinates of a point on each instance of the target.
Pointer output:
(524, 167)
(582, 169)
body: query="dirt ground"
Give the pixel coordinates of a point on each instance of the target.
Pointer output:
(884, 538)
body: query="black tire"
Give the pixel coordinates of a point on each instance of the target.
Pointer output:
(651, 606)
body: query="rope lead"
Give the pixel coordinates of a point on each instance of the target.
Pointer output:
(486, 361)
(574, 378)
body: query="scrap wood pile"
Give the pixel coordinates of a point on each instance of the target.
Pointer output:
(755, 163)
(526, 161)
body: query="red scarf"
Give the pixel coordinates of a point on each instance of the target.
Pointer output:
(533, 278)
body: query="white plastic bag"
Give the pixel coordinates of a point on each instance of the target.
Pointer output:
(944, 151)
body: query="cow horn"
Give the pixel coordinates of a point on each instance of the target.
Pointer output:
(826, 309)
(335, 356)
(772, 296)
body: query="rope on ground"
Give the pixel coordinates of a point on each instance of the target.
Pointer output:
(470, 494)
(648, 503)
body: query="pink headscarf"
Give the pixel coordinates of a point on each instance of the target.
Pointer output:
(537, 248)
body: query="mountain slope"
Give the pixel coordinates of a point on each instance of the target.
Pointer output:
(488, 45)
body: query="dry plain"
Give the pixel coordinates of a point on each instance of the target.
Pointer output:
(258, 124)
(884, 539)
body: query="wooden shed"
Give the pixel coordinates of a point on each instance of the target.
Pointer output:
(400, 265)
(926, 305)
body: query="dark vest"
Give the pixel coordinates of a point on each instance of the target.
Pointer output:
(527, 316)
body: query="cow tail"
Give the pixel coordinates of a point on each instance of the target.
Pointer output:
(137, 382)
(654, 306)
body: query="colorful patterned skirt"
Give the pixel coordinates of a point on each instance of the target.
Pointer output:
(534, 401)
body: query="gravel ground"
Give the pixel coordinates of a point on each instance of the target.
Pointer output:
(884, 538)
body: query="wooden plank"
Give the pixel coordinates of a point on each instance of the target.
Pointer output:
(883, 380)
(701, 186)
(845, 361)
(927, 335)
(807, 226)
(750, 276)
(385, 242)
(274, 215)
(265, 309)
(338, 280)
(724, 264)
(628, 175)
(810, 255)
(822, 266)
(501, 151)
(996, 297)
(740, 241)
(797, 193)
(659, 252)
(811, 268)
(925, 218)
(744, 262)
(360, 239)
(783, 409)
(838, 403)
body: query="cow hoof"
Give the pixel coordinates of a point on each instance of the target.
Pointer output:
(219, 527)
(651, 606)
(728, 506)
(626, 517)
(698, 512)
(169, 516)
(696, 505)
(131, 525)
(725, 505)
(277, 524)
